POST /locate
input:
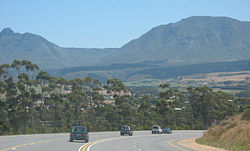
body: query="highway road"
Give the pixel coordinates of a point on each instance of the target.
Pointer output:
(99, 141)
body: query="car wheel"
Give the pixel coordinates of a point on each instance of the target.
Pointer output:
(87, 140)
(71, 140)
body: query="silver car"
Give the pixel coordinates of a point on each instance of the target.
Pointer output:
(156, 129)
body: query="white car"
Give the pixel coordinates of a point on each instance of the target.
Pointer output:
(156, 129)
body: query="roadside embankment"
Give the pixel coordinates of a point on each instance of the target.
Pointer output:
(231, 134)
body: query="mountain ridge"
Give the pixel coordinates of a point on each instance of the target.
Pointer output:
(168, 40)
(193, 40)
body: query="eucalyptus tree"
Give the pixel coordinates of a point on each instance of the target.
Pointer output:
(200, 99)
(23, 97)
(90, 86)
(12, 104)
(43, 79)
(34, 97)
(223, 105)
(170, 99)
(145, 109)
(3, 76)
(123, 99)
(17, 64)
(61, 84)
(4, 71)
(28, 66)
(127, 112)
(4, 122)
(56, 99)
(77, 97)
(115, 85)
(96, 97)
(34, 68)
(207, 104)
(54, 103)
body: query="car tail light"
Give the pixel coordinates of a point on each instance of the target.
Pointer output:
(84, 134)
(72, 134)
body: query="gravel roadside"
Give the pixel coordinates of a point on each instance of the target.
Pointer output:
(190, 143)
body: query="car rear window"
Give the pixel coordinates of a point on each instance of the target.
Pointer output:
(79, 130)
(155, 127)
(126, 127)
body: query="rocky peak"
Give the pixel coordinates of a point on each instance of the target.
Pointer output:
(7, 32)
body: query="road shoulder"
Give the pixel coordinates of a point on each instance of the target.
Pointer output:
(190, 143)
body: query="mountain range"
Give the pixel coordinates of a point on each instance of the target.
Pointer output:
(193, 40)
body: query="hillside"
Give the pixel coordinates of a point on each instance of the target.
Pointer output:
(201, 43)
(44, 53)
(29, 46)
(139, 71)
(191, 40)
(231, 134)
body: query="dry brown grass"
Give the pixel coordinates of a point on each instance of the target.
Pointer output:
(232, 134)
(229, 76)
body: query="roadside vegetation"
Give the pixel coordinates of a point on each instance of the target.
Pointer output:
(232, 133)
(32, 101)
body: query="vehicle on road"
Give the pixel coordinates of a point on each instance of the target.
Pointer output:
(156, 129)
(79, 133)
(126, 130)
(167, 131)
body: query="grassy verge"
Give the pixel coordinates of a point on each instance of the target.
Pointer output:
(231, 134)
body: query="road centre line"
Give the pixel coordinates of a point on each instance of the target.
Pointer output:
(86, 147)
(22, 145)
(175, 146)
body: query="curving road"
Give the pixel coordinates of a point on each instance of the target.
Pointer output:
(99, 141)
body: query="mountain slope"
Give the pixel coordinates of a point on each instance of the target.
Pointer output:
(44, 53)
(29, 46)
(191, 40)
(194, 40)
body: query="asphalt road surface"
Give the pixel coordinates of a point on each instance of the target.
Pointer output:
(99, 141)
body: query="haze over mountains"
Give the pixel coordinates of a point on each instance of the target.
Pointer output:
(194, 40)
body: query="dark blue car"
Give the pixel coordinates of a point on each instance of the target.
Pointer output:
(167, 131)
(79, 133)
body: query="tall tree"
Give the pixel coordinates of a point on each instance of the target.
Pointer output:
(12, 102)
(115, 85)
(43, 79)
(17, 64)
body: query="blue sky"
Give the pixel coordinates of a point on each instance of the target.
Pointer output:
(107, 23)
